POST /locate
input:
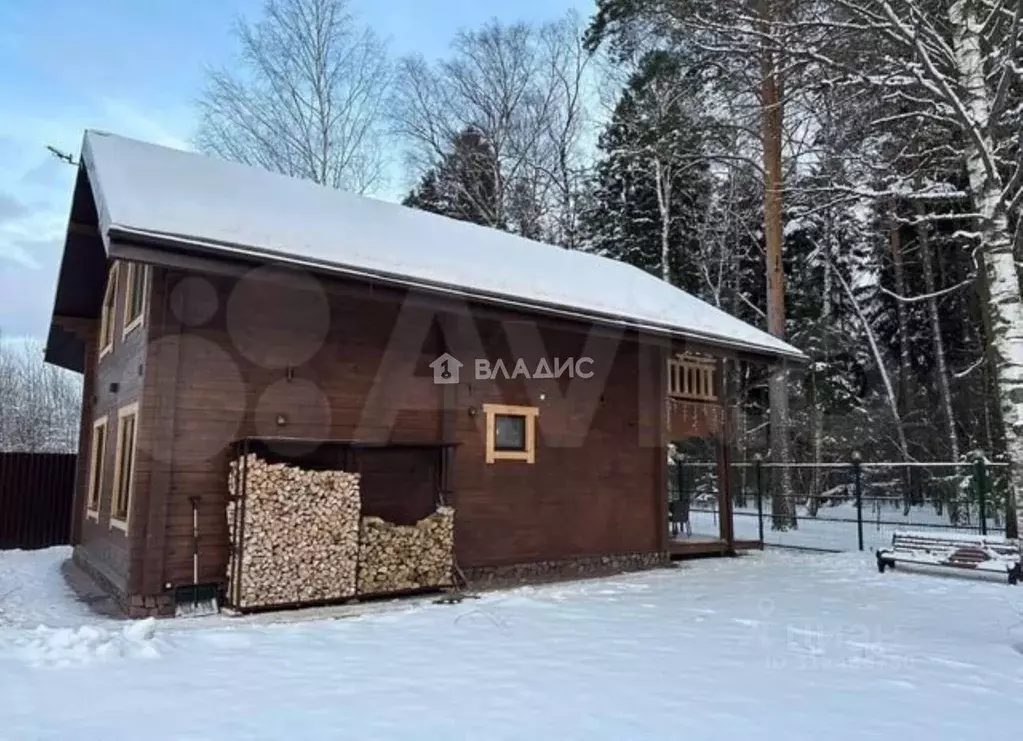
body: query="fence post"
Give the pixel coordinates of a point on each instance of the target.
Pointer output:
(857, 482)
(759, 464)
(980, 472)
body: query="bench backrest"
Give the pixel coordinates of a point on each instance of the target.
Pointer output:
(934, 542)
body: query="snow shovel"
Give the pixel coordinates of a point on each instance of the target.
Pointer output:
(196, 600)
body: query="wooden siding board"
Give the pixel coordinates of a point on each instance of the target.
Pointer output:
(603, 496)
(157, 429)
(220, 397)
(108, 549)
(575, 501)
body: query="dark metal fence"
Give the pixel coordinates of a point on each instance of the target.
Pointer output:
(36, 499)
(846, 506)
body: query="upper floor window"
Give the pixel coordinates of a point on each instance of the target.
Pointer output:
(124, 465)
(106, 322)
(135, 296)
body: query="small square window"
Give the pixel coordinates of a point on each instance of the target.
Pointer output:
(509, 432)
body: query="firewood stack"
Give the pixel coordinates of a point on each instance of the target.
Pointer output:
(395, 558)
(300, 534)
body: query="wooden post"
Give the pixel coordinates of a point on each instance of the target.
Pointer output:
(449, 415)
(659, 355)
(727, 526)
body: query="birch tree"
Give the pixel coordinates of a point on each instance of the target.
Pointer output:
(306, 97)
(957, 63)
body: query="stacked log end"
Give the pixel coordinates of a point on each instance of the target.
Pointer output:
(395, 558)
(300, 535)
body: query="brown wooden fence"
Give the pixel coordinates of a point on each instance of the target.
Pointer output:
(36, 492)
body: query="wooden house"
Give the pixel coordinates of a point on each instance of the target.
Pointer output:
(219, 311)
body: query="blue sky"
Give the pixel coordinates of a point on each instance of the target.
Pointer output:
(135, 67)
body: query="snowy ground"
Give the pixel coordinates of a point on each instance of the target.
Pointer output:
(834, 528)
(775, 645)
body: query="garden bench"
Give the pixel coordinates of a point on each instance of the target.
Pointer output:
(984, 553)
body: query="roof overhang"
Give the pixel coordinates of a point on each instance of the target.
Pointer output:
(154, 225)
(189, 254)
(80, 282)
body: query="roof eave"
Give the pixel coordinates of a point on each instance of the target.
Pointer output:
(116, 234)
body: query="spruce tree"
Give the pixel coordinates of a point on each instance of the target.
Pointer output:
(464, 185)
(652, 186)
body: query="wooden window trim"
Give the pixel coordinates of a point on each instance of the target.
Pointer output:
(92, 495)
(530, 414)
(130, 323)
(106, 323)
(129, 410)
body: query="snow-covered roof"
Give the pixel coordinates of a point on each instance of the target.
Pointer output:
(146, 190)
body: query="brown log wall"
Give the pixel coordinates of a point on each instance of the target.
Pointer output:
(594, 487)
(225, 364)
(110, 384)
(227, 378)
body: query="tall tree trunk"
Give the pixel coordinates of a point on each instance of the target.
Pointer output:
(905, 365)
(901, 312)
(813, 505)
(813, 502)
(783, 507)
(893, 403)
(944, 384)
(962, 511)
(663, 182)
(993, 425)
(1004, 302)
(741, 385)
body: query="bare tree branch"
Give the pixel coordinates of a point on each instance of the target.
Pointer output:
(306, 99)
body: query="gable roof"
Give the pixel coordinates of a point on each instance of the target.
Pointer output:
(147, 191)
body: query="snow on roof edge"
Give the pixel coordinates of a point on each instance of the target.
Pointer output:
(777, 348)
(497, 299)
